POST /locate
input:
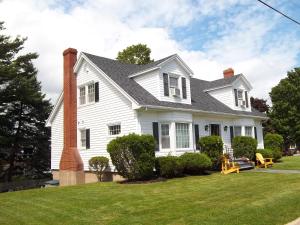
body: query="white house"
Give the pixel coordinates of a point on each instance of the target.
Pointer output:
(161, 98)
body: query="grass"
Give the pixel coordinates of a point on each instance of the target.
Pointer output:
(245, 198)
(288, 163)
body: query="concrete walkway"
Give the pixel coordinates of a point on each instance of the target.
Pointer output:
(275, 171)
(295, 222)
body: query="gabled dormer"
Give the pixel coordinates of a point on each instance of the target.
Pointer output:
(168, 80)
(232, 90)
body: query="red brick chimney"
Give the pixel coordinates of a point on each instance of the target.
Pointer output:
(228, 73)
(71, 165)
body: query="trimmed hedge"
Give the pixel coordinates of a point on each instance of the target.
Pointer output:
(266, 153)
(275, 143)
(169, 166)
(244, 146)
(195, 163)
(212, 146)
(133, 156)
(97, 165)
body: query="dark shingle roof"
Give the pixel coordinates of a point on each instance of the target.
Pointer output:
(201, 100)
(222, 82)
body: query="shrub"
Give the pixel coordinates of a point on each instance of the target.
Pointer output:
(195, 163)
(169, 166)
(133, 156)
(212, 146)
(97, 165)
(266, 153)
(244, 147)
(275, 143)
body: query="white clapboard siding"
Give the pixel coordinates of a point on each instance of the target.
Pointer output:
(174, 67)
(224, 95)
(57, 137)
(150, 82)
(112, 108)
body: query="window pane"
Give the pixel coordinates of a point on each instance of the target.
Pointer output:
(114, 129)
(82, 95)
(240, 94)
(91, 92)
(237, 131)
(182, 135)
(165, 138)
(215, 129)
(248, 131)
(173, 82)
(83, 138)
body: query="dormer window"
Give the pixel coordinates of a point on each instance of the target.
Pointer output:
(241, 98)
(173, 82)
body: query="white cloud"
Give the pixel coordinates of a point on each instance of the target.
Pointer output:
(105, 27)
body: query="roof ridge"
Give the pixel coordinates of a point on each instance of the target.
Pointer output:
(235, 76)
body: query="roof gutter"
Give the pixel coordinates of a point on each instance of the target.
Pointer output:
(201, 111)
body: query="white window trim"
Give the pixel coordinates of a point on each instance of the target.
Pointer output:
(190, 135)
(86, 84)
(80, 143)
(114, 124)
(160, 136)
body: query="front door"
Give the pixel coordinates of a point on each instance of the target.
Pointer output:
(215, 129)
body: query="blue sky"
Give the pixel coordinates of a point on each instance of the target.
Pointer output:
(209, 35)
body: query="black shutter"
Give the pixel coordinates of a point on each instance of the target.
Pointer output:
(97, 92)
(156, 134)
(236, 97)
(87, 138)
(183, 83)
(246, 98)
(231, 133)
(255, 133)
(166, 84)
(197, 136)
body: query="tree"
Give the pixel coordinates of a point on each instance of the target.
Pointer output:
(259, 104)
(285, 113)
(135, 54)
(24, 140)
(98, 165)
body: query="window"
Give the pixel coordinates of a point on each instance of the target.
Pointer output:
(91, 92)
(248, 131)
(240, 94)
(83, 138)
(215, 129)
(237, 131)
(174, 82)
(182, 135)
(114, 129)
(82, 95)
(165, 136)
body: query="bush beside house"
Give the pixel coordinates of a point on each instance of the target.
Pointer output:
(212, 146)
(133, 156)
(275, 143)
(244, 146)
(98, 165)
(195, 163)
(169, 166)
(266, 153)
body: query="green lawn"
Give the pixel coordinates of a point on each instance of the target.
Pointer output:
(245, 198)
(288, 163)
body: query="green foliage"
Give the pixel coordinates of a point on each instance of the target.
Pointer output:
(195, 163)
(285, 113)
(98, 165)
(169, 166)
(24, 139)
(135, 54)
(212, 146)
(133, 156)
(275, 143)
(244, 147)
(266, 153)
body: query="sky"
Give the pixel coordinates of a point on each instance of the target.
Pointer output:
(209, 35)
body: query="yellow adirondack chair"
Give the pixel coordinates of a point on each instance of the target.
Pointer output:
(263, 162)
(229, 167)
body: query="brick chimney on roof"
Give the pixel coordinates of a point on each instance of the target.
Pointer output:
(71, 165)
(228, 73)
